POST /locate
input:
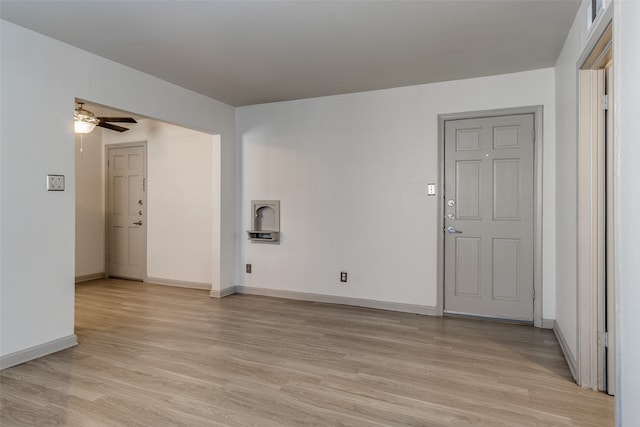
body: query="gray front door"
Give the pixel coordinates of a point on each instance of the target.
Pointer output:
(489, 221)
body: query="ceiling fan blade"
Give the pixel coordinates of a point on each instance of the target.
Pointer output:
(118, 119)
(112, 127)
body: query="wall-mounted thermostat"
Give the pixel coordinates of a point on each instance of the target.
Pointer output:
(55, 182)
(431, 189)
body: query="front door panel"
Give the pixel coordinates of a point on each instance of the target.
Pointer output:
(489, 221)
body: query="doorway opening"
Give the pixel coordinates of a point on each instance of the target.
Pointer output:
(596, 193)
(170, 187)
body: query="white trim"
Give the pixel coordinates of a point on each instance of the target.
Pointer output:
(596, 28)
(88, 277)
(178, 283)
(538, 117)
(334, 299)
(571, 361)
(222, 292)
(588, 229)
(37, 351)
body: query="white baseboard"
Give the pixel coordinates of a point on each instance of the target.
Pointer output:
(333, 299)
(87, 277)
(571, 361)
(178, 283)
(548, 323)
(37, 351)
(222, 292)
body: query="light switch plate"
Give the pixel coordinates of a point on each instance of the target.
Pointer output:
(431, 189)
(55, 182)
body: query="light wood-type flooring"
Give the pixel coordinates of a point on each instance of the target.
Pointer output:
(161, 356)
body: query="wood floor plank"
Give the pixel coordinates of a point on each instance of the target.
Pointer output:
(155, 355)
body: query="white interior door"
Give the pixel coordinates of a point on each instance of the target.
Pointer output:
(489, 217)
(126, 200)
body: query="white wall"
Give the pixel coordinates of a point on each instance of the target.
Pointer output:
(626, 35)
(351, 173)
(40, 78)
(90, 244)
(182, 166)
(566, 179)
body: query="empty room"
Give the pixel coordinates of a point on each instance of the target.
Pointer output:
(288, 213)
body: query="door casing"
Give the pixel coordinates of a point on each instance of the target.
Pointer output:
(596, 367)
(537, 111)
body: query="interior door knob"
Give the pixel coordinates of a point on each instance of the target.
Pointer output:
(452, 230)
(137, 223)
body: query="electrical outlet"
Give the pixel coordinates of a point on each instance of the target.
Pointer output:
(343, 276)
(247, 268)
(55, 182)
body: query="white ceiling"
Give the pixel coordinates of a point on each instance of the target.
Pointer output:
(249, 52)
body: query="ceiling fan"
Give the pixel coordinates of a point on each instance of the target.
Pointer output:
(85, 121)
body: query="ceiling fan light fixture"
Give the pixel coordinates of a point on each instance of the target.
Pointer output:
(80, 126)
(84, 121)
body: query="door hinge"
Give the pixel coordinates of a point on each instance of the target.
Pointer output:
(533, 294)
(108, 163)
(604, 102)
(603, 339)
(144, 184)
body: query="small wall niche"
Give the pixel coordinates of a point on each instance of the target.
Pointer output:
(265, 221)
